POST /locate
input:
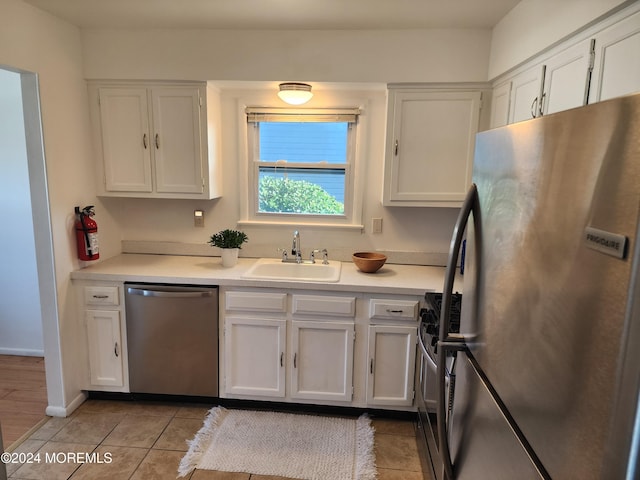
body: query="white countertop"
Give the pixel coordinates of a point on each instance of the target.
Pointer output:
(390, 279)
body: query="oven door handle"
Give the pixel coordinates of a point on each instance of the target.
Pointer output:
(448, 342)
(421, 341)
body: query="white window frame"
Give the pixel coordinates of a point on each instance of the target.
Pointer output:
(352, 217)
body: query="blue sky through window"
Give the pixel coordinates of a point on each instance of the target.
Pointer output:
(303, 142)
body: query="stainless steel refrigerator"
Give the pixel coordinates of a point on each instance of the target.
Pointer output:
(548, 356)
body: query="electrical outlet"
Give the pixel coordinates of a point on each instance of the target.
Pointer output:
(376, 225)
(198, 218)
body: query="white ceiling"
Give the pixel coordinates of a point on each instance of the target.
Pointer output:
(279, 14)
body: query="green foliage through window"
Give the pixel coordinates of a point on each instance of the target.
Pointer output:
(282, 195)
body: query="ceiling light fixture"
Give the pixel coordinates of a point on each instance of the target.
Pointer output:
(295, 93)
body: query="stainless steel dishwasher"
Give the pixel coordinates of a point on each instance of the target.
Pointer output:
(172, 339)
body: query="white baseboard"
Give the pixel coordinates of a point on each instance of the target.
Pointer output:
(57, 411)
(22, 352)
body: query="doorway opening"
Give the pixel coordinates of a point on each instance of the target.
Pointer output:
(31, 266)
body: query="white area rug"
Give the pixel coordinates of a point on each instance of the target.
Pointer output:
(283, 444)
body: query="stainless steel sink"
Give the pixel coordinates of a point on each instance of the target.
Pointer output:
(276, 269)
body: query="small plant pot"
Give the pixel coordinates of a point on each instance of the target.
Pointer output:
(229, 257)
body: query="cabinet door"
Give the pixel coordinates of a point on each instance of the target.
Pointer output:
(177, 141)
(429, 153)
(126, 144)
(322, 360)
(105, 347)
(392, 357)
(500, 105)
(566, 79)
(255, 356)
(526, 89)
(616, 69)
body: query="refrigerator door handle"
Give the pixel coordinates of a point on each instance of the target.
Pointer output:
(448, 342)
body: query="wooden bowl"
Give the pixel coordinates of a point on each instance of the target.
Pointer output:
(369, 262)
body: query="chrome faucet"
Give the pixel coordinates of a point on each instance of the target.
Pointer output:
(295, 248)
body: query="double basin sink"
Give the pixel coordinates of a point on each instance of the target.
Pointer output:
(276, 269)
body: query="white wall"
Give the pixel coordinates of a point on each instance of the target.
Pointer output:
(409, 234)
(533, 25)
(20, 316)
(34, 41)
(344, 67)
(436, 55)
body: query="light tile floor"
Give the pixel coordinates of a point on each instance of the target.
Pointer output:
(146, 441)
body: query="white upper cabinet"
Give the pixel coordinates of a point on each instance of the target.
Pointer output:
(560, 83)
(125, 139)
(566, 78)
(157, 141)
(616, 68)
(500, 102)
(177, 143)
(598, 63)
(429, 146)
(526, 89)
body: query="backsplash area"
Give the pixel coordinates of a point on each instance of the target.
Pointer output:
(260, 251)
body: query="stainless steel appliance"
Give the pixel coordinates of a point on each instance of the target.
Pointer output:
(172, 339)
(426, 398)
(548, 365)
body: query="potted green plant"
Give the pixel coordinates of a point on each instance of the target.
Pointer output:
(230, 241)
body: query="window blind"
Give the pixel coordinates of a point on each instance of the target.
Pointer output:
(260, 114)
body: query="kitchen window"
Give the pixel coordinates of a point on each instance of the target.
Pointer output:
(301, 165)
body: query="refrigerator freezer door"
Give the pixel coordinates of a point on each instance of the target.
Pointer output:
(483, 446)
(551, 310)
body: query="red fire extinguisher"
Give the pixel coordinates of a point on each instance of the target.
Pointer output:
(86, 234)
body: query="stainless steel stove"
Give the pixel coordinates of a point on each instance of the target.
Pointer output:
(427, 393)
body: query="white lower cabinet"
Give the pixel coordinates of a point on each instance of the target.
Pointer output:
(271, 336)
(346, 349)
(392, 357)
(104, 341)
(255, 353)
(322, 360)
(103, 353)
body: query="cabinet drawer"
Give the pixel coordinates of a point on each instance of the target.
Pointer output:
(101, 296)
(324, 305)
(393, 309)
(256, 301)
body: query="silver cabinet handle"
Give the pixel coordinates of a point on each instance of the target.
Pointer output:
(394, 311)
(541, 94)
(282, 359)
(157, 141)
(165, 294)
(100, 296)
(144, 141)
(534, 108)
(116, 350)
(295, 357)
(395, 150)
(371, 366)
